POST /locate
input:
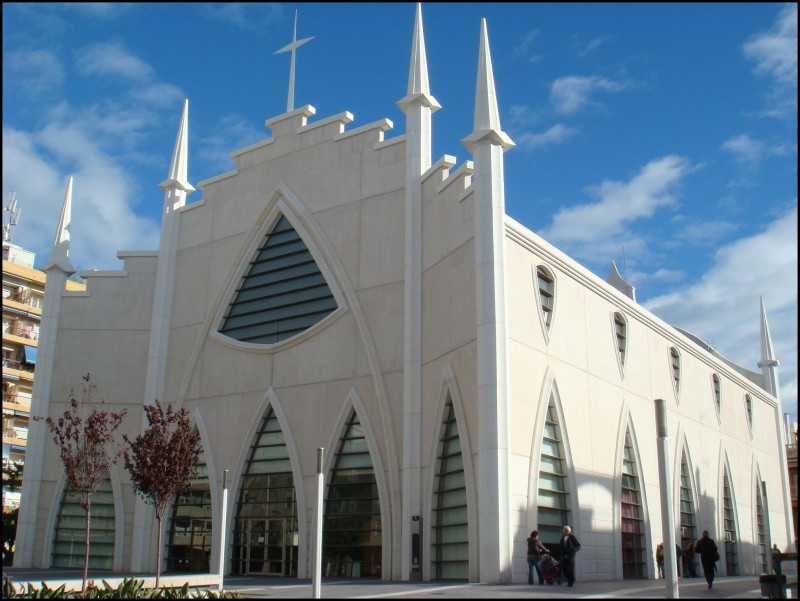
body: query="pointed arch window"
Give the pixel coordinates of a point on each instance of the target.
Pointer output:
(762, 548)
(282, 294)
(633, 548)
(547, 294)
(675, 365)
(621, 337)
(748, 407)
(351, 543)
(189, 534)
(731, 538)
(265, 536)
(717, 392)
(687, 509)
(450, 533)
(553, 495)
(69, 545)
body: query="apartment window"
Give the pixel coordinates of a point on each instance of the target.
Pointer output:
(621, 336)
(546, 283)
(282, 294)
(717, 392)
(675, 363)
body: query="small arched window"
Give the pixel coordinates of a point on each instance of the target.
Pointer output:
(547, 293)
(675, 366)
(748, 406)
(621, 337)
(717, 392)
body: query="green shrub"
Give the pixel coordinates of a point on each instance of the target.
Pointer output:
(129, 589)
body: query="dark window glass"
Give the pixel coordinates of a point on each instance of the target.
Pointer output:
(69, 545)
(282, 294)
(731, 551)
(553, 512)
(633, 551)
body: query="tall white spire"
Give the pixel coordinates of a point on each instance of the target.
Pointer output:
(177, 181)
(418, 87)
(292, 47)
(768, 364)
(487, 117)
(59, 255)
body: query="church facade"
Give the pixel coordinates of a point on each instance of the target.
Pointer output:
(469, 382)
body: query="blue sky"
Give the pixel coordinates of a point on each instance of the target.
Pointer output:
(661, 136)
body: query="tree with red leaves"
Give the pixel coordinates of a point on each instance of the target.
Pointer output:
(85, 437)
(163, 460)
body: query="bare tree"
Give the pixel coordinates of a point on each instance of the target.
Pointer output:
(162, 461)
(85, 435)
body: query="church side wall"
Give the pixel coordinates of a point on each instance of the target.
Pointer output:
(578, 359)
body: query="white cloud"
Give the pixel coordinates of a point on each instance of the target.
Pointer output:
(105, 10)
(580, 228)
(245, 15)
(555, 135)
(111, 59)
(230, 133)
(35, 72)
(722, 308)
(775, 55)
(751, 152)
(524, 48)
(569, 94)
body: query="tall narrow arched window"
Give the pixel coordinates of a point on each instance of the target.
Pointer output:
(687, 509)
(69, 545)
(633, 548)
(748, 407)
(351, 541)
(547, 293)
(450, 533)
(731, 538)
(553, 496)
(282, 294)
(189, 533)
(621, 338)
(265, 536)
(717, 385)
(675, 366)
(762, 543)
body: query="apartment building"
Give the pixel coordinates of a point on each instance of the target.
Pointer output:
(23, 293)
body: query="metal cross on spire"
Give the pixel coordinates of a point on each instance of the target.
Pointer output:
(294, 45)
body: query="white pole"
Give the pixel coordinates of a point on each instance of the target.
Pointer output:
(316, 571)
(224, 528)
(667, 518)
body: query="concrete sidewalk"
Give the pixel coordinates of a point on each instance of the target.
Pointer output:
(743, 587)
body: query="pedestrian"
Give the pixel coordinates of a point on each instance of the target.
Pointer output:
(535, 549)
(569, 547)
(709, 556)
(776, 560)
(689, 556)
(678, 560)
(660, 559)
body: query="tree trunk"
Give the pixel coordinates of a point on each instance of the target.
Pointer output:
(158, 553)
(86, 540)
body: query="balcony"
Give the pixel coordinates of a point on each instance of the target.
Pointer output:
(23, 330)
(16, 368)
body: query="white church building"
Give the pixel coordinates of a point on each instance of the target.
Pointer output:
(342, 288)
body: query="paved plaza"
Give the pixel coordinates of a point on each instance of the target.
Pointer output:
(743, 587)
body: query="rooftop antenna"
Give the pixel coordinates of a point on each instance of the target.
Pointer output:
(294, 45)
(11, 213)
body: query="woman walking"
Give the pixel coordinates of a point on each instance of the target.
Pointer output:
(535, 549)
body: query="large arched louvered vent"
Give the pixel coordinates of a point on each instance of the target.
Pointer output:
(282, 294)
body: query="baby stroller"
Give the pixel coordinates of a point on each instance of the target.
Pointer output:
(551, 570)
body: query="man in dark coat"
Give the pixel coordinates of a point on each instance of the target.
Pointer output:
(569, 546)
(708, 556)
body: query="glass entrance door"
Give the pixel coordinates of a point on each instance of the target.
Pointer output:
(270, 549)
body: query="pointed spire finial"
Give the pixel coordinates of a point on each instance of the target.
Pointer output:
(767, 351)
(292, 47)
(487, 116)
(177, 178)
(418, 85)
(59, 255)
